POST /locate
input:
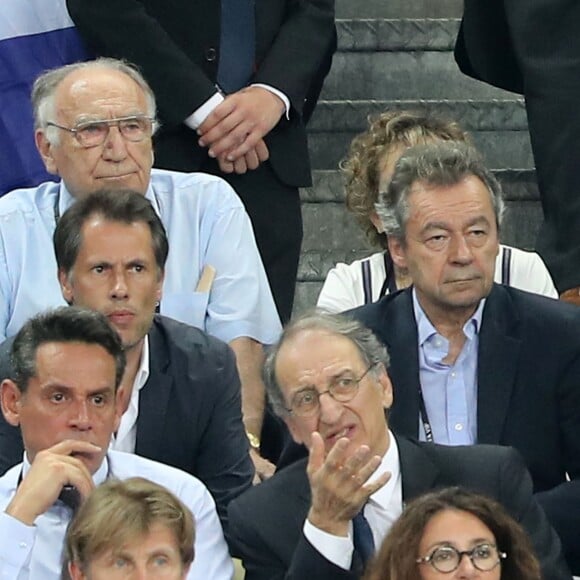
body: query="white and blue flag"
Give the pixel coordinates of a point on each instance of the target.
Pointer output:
(35, 35)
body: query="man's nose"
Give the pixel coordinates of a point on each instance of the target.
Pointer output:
(460, 250)
(81, 416)
(119, 288)
(330, 409)
(115, 145)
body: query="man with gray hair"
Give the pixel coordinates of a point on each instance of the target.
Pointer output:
(94, 126)
(474, 361)
(321, 517)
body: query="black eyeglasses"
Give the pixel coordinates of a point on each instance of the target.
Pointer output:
(306, 403)
(93, 133)
(446, 559)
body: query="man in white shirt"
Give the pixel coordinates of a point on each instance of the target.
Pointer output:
(327, 379)
(68, 365)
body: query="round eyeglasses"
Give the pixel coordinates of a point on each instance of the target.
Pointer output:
(306, 403)
(93, 133)
(446, 559)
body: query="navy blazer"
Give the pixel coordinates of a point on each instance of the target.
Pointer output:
(189, 411)
(528, 387)
(266, 522)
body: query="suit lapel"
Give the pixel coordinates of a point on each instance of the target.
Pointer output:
(400, 336)
(418, 472)
(499, 350)
(154, 396)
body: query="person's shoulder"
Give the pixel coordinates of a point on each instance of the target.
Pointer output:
(125, 465)
(276, 492)
(532, 307)
(29, 200)
(373, 314)
(187, 339)
(193, 189)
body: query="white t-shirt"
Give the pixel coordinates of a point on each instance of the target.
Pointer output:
(344, 287)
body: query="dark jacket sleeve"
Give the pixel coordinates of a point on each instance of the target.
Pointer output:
(11, 447)
(516, 495)
(267, 553)
(223, 462)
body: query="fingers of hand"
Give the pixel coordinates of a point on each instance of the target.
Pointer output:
(252, 159)
(262, 151)
(225, 165)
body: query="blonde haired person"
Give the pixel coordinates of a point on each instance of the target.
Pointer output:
(367, 170)
(130, 529)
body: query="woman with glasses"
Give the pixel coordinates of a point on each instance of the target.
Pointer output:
(455, 534)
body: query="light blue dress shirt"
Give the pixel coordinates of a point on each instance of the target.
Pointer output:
(449, 391)
(35, 552)
(206, 223)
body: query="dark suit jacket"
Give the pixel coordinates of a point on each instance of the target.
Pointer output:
(189, 411)
(528, 377)
(266, 522)
(176, 45)
(484, 49)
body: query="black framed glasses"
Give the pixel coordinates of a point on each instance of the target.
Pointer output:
(306, 403)
(446, 559)
(93, 133)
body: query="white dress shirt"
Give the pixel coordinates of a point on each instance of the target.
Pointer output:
(35, 552)
(381, 511)
(126, 435)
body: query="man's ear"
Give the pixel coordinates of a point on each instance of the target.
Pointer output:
(45, 148)
(397, 252)
(385, 385)
(10, 399)
(65, 286)
(294, 431)
(75, 572)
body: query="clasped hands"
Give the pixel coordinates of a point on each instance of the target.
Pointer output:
(234, 130)
(339, 483)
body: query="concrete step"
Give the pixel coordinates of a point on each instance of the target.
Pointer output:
(498, 127)
(399, 8)
(400, 59)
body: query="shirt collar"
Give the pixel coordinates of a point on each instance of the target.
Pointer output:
(389, 462)
(143, 371)
(425, 329)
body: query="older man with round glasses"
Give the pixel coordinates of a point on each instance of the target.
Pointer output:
(94, 123)
(321, 517)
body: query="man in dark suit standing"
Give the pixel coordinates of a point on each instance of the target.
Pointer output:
(532, 47)
(321, 518)
(474, 362)
(245, 75)
(180, 391)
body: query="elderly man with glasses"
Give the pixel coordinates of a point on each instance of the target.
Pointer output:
(94, 127)
(321, 517)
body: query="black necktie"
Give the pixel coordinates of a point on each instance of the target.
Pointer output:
(70, 497)
(237, 44)
(364, 544)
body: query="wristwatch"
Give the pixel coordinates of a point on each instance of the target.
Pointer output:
(254, 441)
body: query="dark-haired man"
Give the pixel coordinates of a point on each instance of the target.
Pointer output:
(180, 391)
(65, 398)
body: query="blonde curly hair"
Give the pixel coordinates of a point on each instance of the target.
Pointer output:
(369, 153)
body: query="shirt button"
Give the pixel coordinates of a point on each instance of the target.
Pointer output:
(22, 545)
(458, 426)
(210, 54)
(453, 375)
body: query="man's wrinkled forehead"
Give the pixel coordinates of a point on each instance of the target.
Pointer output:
(99, 92)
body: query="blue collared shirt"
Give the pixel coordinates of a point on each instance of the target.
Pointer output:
(206, 223)
(449, 391)
(34, 552)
